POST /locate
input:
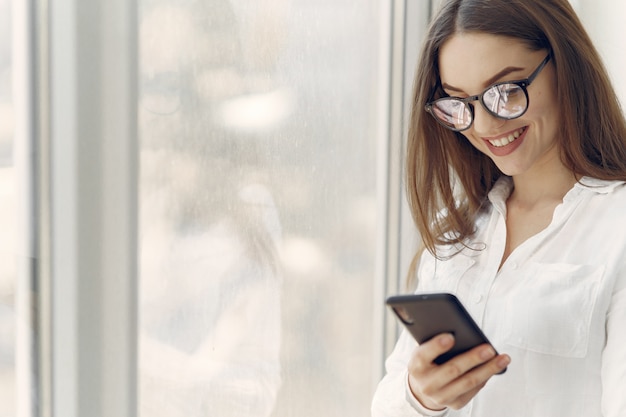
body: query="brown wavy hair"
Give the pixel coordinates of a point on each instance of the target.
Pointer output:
(447, 179)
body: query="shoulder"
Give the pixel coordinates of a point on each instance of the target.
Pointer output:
(601, 187)
(597, 204)
(609, 194)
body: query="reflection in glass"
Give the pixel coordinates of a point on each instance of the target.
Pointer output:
(257, 123)
(210, 281)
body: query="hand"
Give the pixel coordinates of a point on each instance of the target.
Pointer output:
(454, 383)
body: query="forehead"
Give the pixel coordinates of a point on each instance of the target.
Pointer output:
(467, 60)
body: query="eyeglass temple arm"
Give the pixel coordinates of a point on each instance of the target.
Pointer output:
(539, 68)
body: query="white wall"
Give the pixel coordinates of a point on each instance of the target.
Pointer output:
(604, 20)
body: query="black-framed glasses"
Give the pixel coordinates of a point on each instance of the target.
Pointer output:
(505, 100)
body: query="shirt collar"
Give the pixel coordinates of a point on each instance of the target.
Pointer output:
(598, 186)
(501, 190)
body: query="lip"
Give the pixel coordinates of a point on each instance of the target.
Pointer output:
(506, 149)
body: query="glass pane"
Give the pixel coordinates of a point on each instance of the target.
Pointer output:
(258, 124)
(8, 221)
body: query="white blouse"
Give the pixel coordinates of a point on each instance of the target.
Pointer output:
(557, 307)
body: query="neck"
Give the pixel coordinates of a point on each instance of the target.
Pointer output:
(532, 188)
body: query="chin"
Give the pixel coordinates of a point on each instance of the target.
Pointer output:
(509, 170)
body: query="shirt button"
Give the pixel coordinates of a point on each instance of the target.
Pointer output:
(478, 298)
(514, 265)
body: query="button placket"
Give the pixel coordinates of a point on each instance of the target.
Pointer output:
(482, 288)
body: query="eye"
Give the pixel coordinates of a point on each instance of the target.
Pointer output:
(509, 90)
(450, 107)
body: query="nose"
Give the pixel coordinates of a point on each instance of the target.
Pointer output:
(485, 122)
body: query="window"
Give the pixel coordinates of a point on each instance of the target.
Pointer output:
(259, 126)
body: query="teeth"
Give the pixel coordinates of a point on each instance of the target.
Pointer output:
(507, 139)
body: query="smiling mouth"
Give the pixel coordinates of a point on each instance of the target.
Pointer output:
(505, 140)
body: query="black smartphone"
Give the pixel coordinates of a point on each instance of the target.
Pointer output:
(427, 315)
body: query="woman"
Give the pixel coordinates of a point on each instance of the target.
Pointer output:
(516, 170)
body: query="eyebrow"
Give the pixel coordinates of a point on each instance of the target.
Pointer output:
(490, 81)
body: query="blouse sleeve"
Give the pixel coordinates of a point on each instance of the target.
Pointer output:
(393, 397)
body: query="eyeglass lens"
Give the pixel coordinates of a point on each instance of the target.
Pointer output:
(506, 101)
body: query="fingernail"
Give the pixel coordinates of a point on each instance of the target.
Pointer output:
(503, 361)
(446, 340)
(487, 353)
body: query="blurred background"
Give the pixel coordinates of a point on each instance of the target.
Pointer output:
(261, 124)
(258, 136)
(258, 126)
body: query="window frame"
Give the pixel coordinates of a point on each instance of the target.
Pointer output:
(80, 164)
(81, 198)
(408, 21)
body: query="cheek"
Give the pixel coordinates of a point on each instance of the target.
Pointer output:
(543, 113)
(540, 104)
(543, 103)
(476, 142)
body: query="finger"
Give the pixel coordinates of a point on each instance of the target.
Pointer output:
(429, 351)
(455, 382)
(421, 365)
(423, 371)
(467, 361)
(475, 378)
(462, 401)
